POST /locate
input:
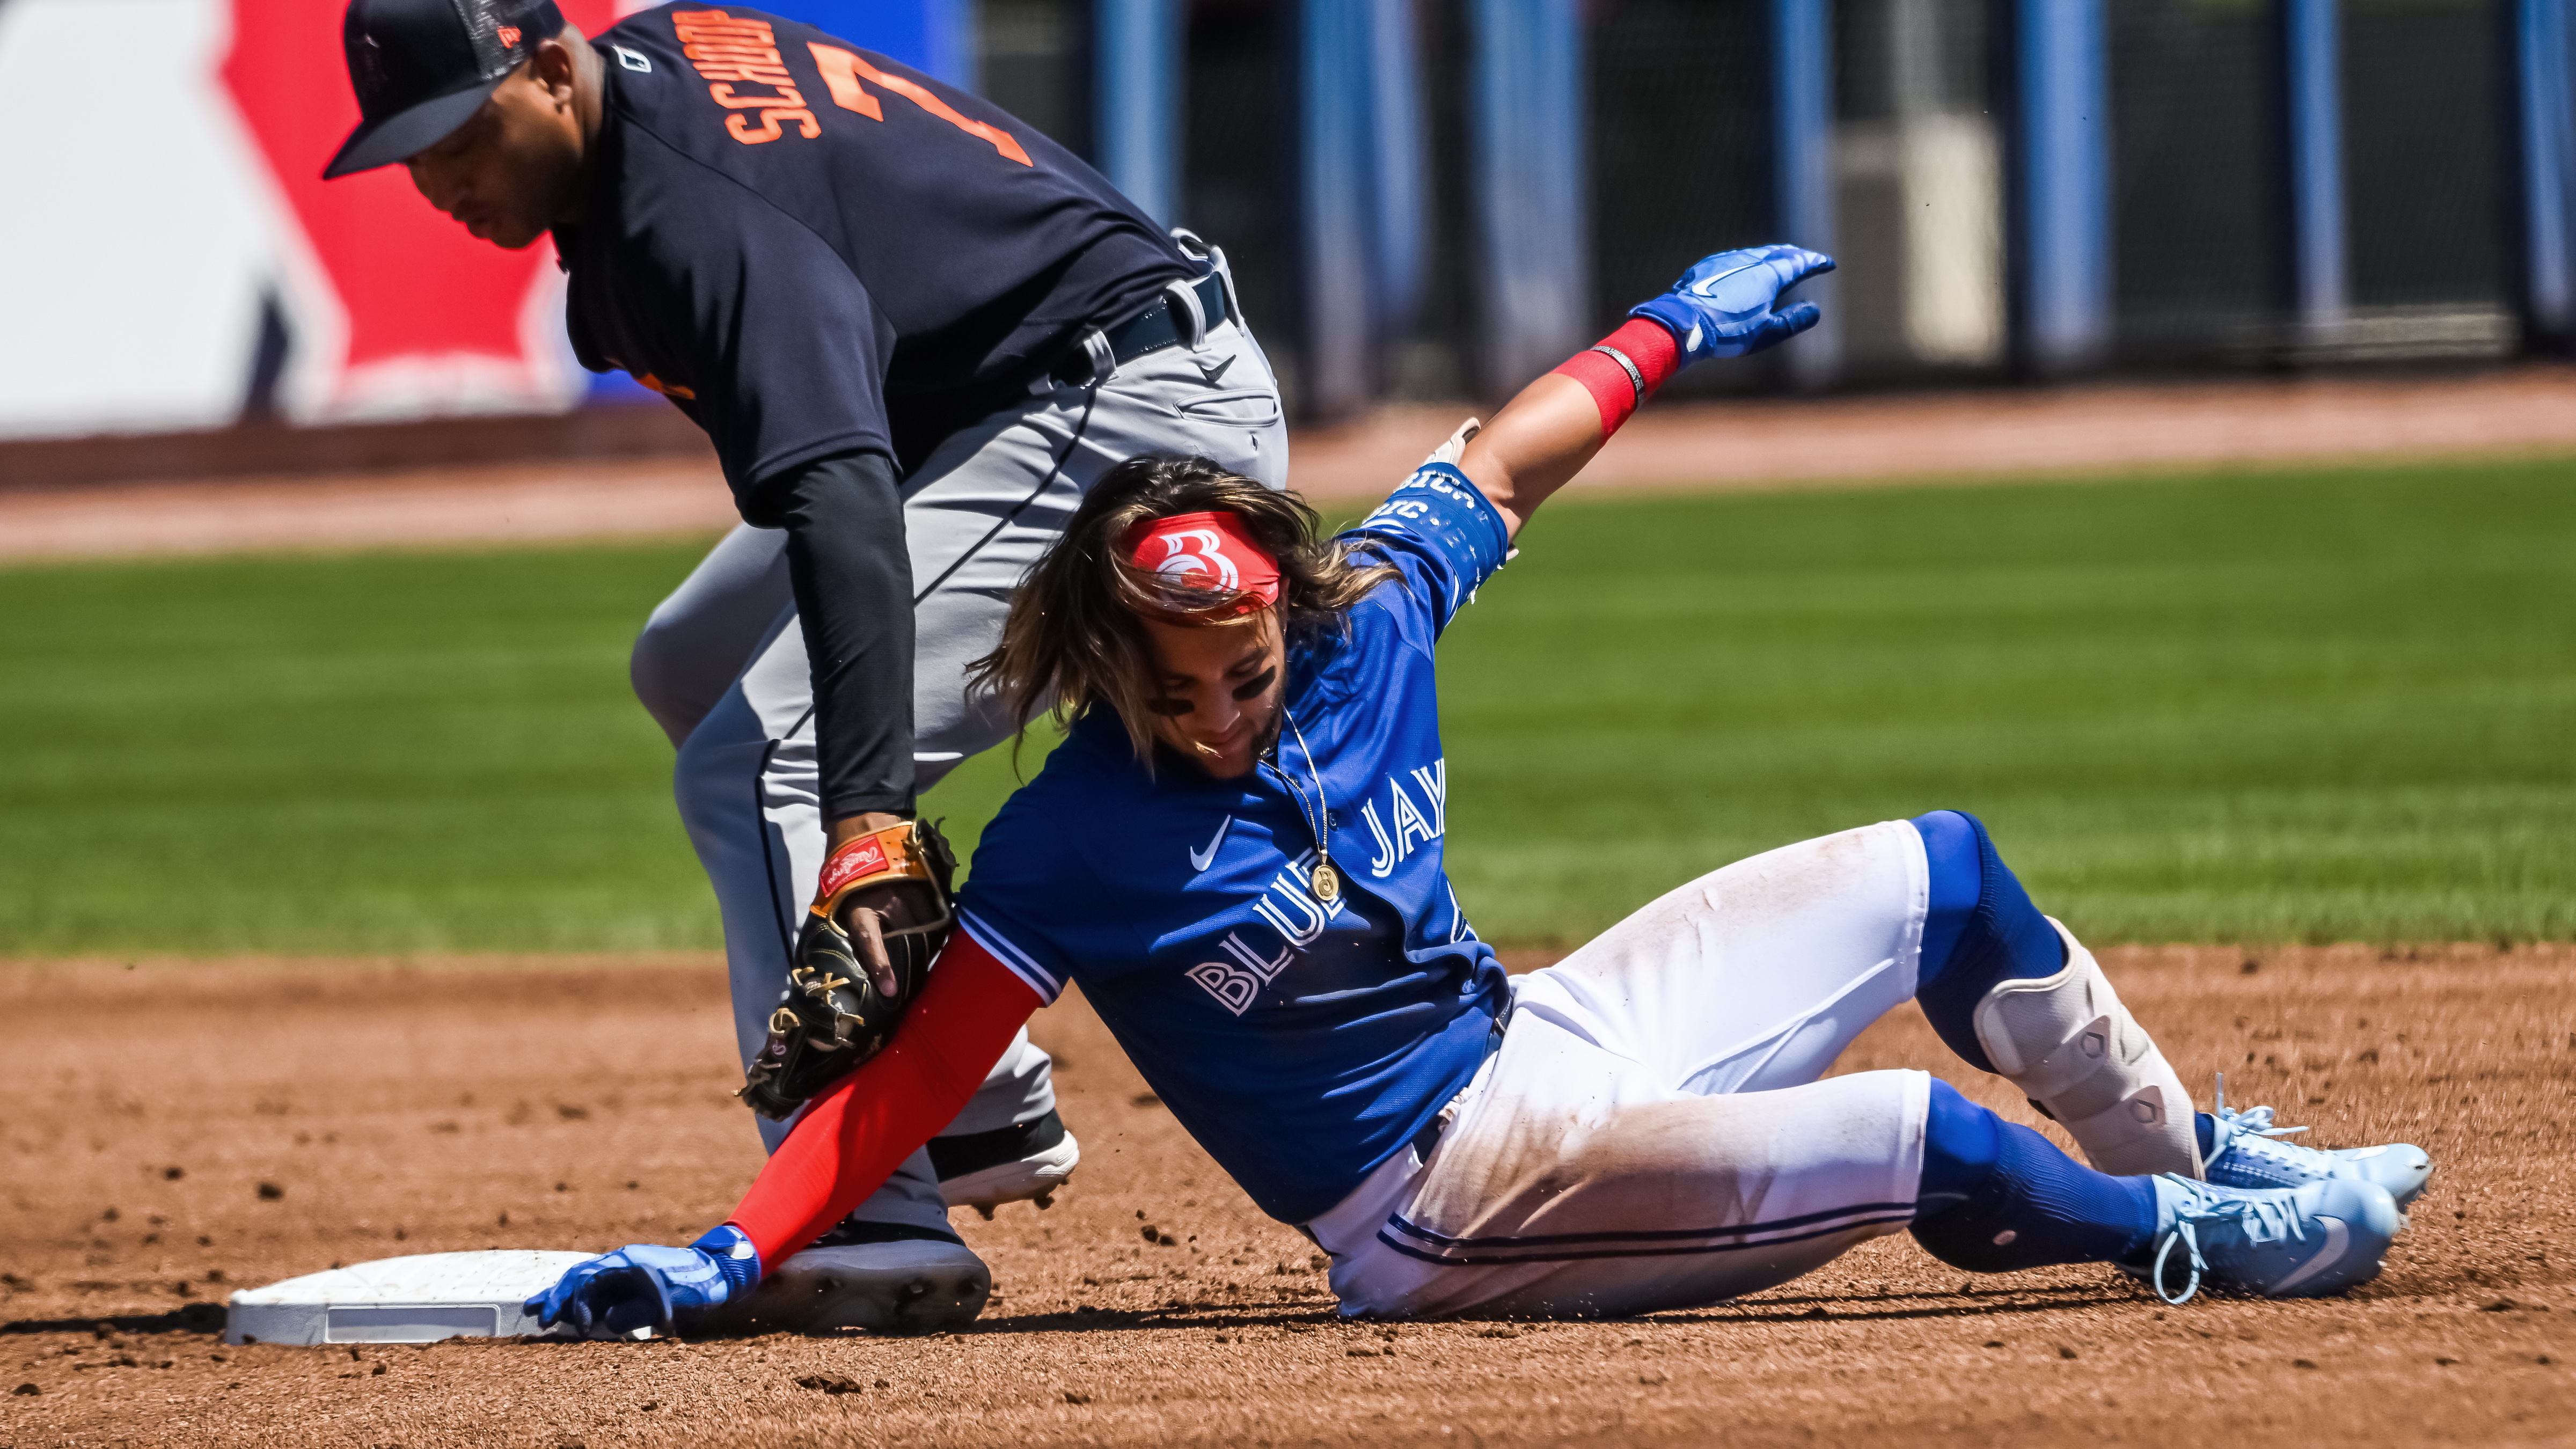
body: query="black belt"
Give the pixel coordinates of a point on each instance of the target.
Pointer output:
(1148, 331)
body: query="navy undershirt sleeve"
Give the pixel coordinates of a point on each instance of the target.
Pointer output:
(852, 575)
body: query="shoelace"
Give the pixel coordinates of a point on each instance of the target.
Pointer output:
(2183, 1234)
(2262, 1220)
(2252, 1122)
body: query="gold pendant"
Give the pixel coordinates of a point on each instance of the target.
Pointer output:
(1328, 882)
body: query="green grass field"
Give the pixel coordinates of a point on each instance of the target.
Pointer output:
(2321, 705)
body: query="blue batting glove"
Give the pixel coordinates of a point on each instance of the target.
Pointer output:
(644, 1286)
(1722, 306)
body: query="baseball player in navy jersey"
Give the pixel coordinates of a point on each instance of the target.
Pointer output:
(917, 331)
(1238, 851)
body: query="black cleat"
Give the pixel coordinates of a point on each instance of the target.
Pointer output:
(1026, 1160)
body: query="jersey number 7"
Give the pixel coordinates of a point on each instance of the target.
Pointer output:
(843, 70)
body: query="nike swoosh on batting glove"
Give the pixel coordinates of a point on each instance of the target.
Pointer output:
(643, 1285)
(1722, 306)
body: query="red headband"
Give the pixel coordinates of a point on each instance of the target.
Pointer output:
(1206, 551)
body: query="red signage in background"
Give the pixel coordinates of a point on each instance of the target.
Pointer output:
(434, 320)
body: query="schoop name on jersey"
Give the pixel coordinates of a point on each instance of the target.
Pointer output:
(1302, 1042)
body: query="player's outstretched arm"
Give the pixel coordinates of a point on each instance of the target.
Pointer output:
(842, 1149)
(1723, 307)
(855, 1135)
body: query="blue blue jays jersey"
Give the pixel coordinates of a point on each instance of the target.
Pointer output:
(1301, 1041)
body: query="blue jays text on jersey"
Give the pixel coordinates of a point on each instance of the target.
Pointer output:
(1301, 1041)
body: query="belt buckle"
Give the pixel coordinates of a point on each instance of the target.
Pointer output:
(1189, 316)
(1103, 357)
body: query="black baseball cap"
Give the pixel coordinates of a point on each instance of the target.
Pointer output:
(421, 68)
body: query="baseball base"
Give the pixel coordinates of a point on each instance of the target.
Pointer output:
(418, 1299)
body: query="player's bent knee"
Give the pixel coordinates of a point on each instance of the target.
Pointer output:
(685, 660)
(662, 676)
(1952, 846)
(2013, 993)
(715, 777)
(1980, 929)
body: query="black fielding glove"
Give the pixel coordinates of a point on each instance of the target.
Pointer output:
(839, 1008)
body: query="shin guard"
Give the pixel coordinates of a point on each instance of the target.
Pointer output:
(2073, 1049)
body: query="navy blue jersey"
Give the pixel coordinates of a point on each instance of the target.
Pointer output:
(1302, 1043)
(814, 250)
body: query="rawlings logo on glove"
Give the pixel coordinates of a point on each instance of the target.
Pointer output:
(851, 866)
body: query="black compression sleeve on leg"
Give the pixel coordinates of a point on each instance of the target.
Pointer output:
(852, 575)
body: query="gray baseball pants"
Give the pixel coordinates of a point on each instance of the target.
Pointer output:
(721, 664)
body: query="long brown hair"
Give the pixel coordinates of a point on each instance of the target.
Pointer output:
(1073, 641)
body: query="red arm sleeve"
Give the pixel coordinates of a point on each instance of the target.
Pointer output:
(1616, 390)
(858, 1133)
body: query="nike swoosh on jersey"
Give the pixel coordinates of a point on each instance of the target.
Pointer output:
(1201, 860)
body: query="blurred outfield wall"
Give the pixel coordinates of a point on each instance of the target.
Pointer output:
(1423, 198)
(175, 261)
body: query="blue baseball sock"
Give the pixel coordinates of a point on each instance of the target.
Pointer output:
(1997, 1197)
(1982, 929)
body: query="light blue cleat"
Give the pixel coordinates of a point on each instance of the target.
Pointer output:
(2302, 1242)
(2246, 1150)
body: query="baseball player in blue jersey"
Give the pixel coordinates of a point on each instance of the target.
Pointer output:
(1238, 852)
(917, 332)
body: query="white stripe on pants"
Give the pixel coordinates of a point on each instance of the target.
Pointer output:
(977, 514)
(1653, 1132)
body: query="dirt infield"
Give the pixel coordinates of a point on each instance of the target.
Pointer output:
(174, 1132)
(1751, 444)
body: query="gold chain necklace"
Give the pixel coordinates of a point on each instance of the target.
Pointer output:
(1327, 881)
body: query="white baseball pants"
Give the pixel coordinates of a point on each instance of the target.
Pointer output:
(1652, 1132)
(722, 663)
